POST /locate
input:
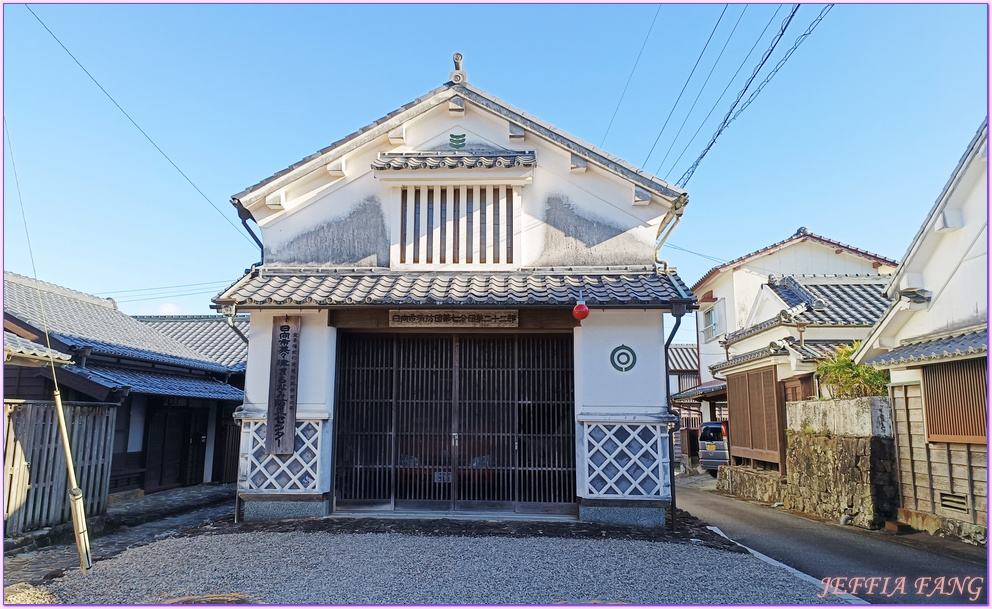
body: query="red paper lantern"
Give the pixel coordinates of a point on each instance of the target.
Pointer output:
(580, 311)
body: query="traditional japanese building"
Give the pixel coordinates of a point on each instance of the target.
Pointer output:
(413, 344)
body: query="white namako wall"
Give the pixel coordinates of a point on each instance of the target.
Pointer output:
(598, 204)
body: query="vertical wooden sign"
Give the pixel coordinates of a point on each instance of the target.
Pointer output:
(280, 432)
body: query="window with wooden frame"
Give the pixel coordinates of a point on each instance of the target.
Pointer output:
(955, 401)
(467, 224)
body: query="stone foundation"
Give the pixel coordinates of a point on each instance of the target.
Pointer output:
(976, 534)
(279, 510)
(636, 513)
(830, 477)
(750, 483)
(826, 476)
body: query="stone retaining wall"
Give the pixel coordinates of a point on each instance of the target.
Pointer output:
(828, 475)
(833, 476)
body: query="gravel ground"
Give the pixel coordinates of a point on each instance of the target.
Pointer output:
(391, 568)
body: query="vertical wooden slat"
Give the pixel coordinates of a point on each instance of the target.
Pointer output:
(446, 240)
(431, 225)
(485, 202)
(471, 222)
(955, 396)
(416, 236)
(403, 225)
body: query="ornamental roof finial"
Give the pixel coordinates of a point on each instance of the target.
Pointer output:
(458, 76)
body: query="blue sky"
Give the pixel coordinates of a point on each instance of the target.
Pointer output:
(854, 137)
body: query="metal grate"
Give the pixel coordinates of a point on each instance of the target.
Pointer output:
(464, 422)
(626, 460)
(458, 224)
(298, 472)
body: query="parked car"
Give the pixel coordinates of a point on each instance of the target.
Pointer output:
(714, 449)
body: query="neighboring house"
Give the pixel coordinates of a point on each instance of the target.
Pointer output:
(796, 321)
(413, 345)
(729, 294)
(223, 340)
(683, 373)
(169, 395)
(934, 340)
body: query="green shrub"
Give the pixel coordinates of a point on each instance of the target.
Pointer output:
(845, 379)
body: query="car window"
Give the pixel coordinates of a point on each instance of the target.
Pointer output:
(711, 433)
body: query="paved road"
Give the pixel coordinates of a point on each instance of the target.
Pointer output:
(823, 550)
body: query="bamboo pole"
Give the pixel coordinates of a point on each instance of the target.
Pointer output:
(76, 504)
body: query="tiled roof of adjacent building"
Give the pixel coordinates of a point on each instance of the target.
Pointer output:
(684, 358)
(209, 335)
(14, 344)
(82, 320)
(803, 234)
(972, 341)
(823, 300)
(601, 287)
(808, 351)
(449, 160)
(158, 383)
(439, 96)
(707, 388)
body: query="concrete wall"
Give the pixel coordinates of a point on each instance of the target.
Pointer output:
(859, 418)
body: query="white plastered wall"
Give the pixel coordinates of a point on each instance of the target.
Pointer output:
(318, 350)
(595, 193)
(602, 389)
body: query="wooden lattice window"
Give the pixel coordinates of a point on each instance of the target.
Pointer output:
(955, 401)
(459, 224)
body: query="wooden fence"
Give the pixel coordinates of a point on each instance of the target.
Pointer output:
(35, 476)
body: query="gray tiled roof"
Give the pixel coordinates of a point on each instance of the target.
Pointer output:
(453, 161)
(803, 234)
(684, 358)
(749, 356)
(601, 286)
(809, 351)
(16, 345)
(823, 300)
(708, 387)
(158, 383)
(971, 341)
(813, 350)
(848, 301)
(207, 334)
(80, 320)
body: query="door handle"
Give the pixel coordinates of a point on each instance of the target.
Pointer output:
(454, 439)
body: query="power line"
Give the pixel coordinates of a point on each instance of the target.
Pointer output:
(644, 164)
(615, 110)
(725, 89)
(165, 287)
(726, 119)
(165, 296)
(147, 137)
(782, 61)
(701, 89)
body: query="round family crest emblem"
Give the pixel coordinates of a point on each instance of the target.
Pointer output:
(623, 358)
